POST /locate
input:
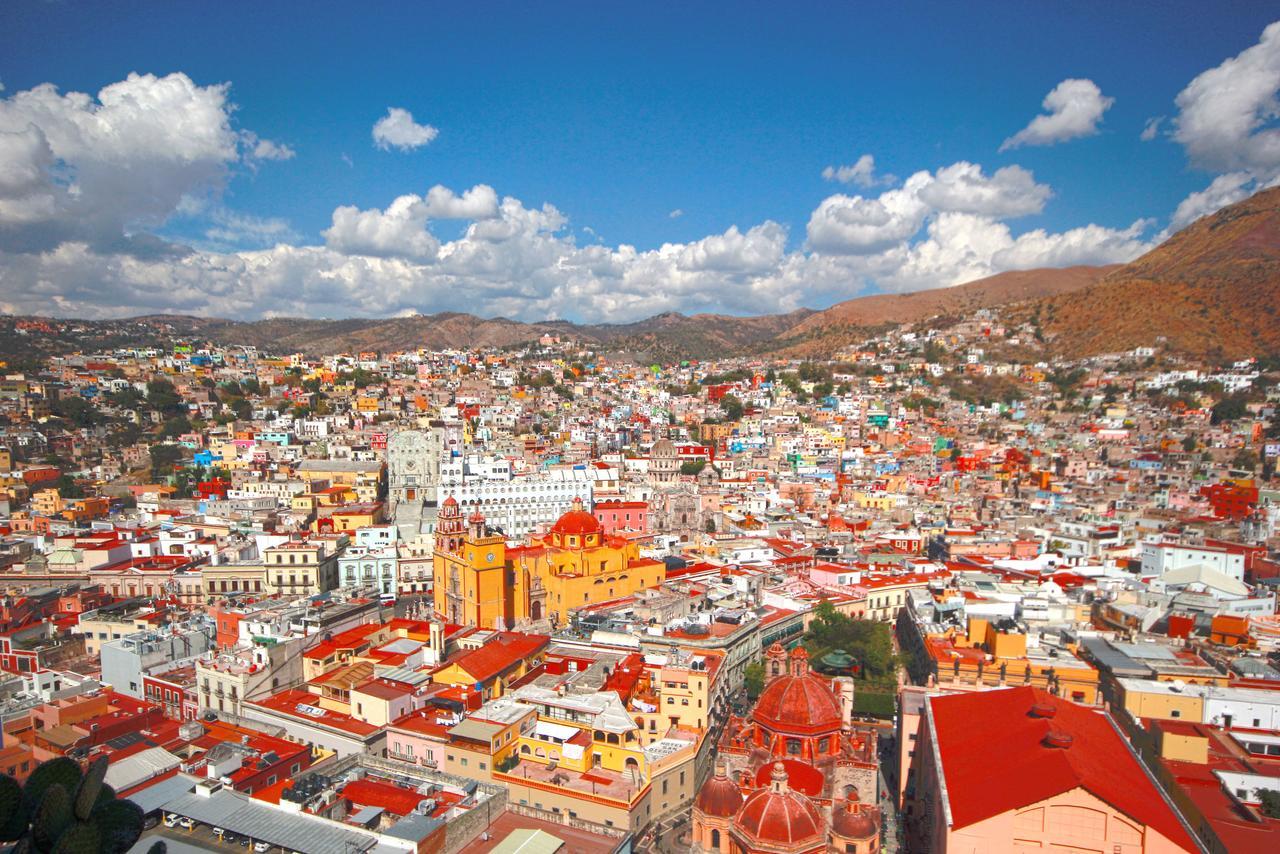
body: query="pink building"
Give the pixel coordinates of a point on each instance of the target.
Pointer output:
(419, 737)
(615, 516)
(1019, 769)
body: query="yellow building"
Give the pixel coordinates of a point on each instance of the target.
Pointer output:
(480, 582)
(47, 502)
(1148, 699)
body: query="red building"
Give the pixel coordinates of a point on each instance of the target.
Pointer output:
(215, 488)
(246, 759)
(174, 691)
(1230, 500)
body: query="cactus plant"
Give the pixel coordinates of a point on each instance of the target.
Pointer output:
(14, 815)
(62, 810)
(90, 788)
(52, 817)
(80, 838)
(61, 771)
(120, 823)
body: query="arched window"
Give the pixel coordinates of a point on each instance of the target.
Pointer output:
(715, 838)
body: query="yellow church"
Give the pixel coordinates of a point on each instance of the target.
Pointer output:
(481, 582)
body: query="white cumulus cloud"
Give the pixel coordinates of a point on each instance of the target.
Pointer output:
(861, 172)
(79, 167)
(1073, 109)
(397, 129)
(1226, 115)
(84, 180)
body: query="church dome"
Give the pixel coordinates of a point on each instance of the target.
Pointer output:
(720, 796)
(779, 816)
(577, 522)
(799, 702)
(851, 821)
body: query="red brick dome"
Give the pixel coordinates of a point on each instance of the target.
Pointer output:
(720, 796)
(451, 502)
(779, 816)
(803, 704)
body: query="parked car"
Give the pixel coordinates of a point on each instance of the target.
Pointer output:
(186, 823)
(170, 820)
(260, 847)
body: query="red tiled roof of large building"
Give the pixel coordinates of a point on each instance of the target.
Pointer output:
(997, 755)
(499, 654)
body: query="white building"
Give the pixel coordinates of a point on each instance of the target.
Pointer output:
(1160, 558)
(518, 504)
(373, 560)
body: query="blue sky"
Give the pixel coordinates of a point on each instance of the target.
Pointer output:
(620, 115)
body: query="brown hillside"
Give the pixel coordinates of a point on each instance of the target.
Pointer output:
(1000, 289)
(851, 321)
(1211, 290)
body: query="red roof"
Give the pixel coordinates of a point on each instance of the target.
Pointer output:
(503, 652)
(996, 758)
(799, 704)
(576, 522)
(371, 793)
(719, 796)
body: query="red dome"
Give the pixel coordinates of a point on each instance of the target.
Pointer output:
(576, 523)
(853, 825)
(780, 816)
(450, 502)
(805, 705)
(719, 797)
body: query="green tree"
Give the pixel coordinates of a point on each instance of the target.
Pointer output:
(126, 398)
(77, 410)
(692, 466)
(163, 459)
(867, 641)
(164, 398)
(1245, 459)
(732, 407)
(175, 426)
(1227, 409)
(68, 488)
(753, 679)
(1270, 800)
